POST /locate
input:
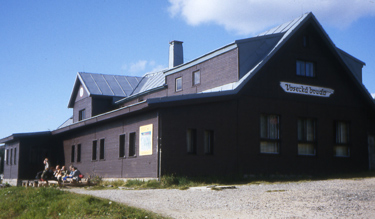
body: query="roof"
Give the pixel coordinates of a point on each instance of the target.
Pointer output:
(116, 86)
(66, 123)
(104, 85)
(149, 83)
(24, 135)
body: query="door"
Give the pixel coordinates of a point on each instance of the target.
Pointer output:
(371, 152)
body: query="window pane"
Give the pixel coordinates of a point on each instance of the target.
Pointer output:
(15, 155)
(6, 156)
(94, 149)
(309, 69)
(81, 115)
(300, 68)
(132, 144)
(306, 149)
(122, 146)
(196, 77)
(79, 153)
(341, 151)
(300, 127)
(269, 147)
(342, 133)
(310, 129)
(101, 149)
(273, 124)
(178, 84)
(191, 140)
(269, 126)
(72, 154)
(208, 141)
(263, 126)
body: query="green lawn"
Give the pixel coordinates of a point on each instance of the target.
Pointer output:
(20, 202)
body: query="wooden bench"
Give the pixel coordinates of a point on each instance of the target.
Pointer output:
(30, 183)
(81, 182)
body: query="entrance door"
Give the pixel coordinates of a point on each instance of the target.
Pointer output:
(371, 152)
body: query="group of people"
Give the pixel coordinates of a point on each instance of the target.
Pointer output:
(59, 174)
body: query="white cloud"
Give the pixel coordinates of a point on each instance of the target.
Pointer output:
(253, 16)
(141, 67)
(373, 95)
(138, 66)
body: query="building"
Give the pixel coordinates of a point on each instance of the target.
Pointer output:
(286, 101)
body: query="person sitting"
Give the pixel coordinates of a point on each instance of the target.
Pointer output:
(61, 174)
(56, 172)
(74, 174)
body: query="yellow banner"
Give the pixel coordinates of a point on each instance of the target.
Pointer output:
(145, 140)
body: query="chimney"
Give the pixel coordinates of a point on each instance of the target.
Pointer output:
(176, 55)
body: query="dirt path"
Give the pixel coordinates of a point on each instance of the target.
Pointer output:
(317, 199)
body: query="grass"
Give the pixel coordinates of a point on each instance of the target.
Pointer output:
(19, 202)
(183, 182)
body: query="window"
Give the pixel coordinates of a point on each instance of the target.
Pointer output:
(191, 141)
(208, 142)
(11, 156)
(72, 154)
(81, 115)
(179, 84)
(94, 149)
(6, 156)
(79, 153)
(269, 134)
(305, 41)
(305, 69)
(122, 146)
(15, 155)
(101, 149)
(341, 148)
(306, 136)
(196, 78)
(132, 144)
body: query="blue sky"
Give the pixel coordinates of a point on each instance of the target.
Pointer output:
(43, 44)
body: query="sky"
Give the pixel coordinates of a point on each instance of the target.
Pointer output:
(43, 43)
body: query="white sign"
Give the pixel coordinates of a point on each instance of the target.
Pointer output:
(306, 89)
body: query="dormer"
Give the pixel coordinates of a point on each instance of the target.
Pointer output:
(94, 94)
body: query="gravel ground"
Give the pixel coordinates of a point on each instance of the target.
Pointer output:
(353, 198)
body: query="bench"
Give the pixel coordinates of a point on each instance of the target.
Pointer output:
(30, 183)
(81, 182)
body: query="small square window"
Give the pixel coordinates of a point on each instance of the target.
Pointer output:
(304, 68)
(82, 115)
(196, 78)
(179, 84)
